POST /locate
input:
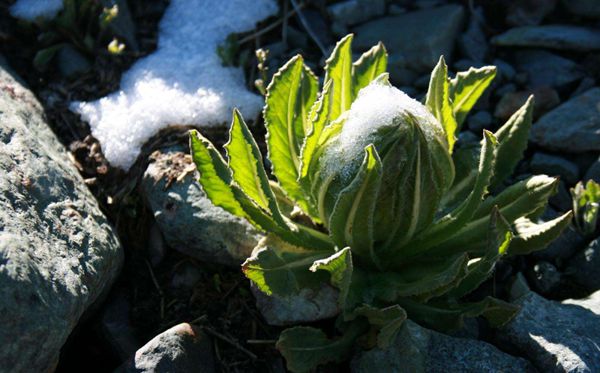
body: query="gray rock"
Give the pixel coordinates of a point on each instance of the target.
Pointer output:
(564, 247)
(181, 349)
(593, 173)
(584, 267)
(505, 70)
(417, 349)
(547, 69)
(561, 37)
(555, 337)
(472, 41)
(189, 222)
(545, 277)
(583, 8)
(418, 37)
(542, 163)
(308, 306)
(592, 302)
(528, 12)
(58, 253)
(71, 63)
(351, 12)
(546, 98)
(573, 127)
(479, 121)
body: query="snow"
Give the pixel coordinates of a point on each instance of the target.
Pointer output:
(30, 10)
(181, 83)
(378, 105)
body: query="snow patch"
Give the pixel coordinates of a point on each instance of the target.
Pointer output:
(181, 83)
(30, 10)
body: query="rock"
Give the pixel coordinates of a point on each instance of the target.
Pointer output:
(529, 12)
(573, 127)
(505, 70)
(585, 84)
(186, 275)
(308, 306)
(545, 277)
(592, 302)
(547, 69)
(351, 12)
(472, 42)
(583, 8)
(564, 247)
(479, 121)
(584, 267)
(189, 222)
(561, 37)
(58, 253)
(418, 38)
(552, 165)
(593, 173)
(555, 337)
(181, 349)
(417, 349)
(546, 98)
(71, 63)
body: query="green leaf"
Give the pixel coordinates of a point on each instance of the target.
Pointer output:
(387, 321)
(586, 207)
(215, 177)
(338, 69)
(521, 199)
(480, 269)
(305, 348)
(460, 216)
(444, 316)
(368, 67)
(512, 139)
(289, 98)
(277, 267)
(438, 101)
(340, 267)
(351, 222)
(43, 57)
(245, 162)
(467, 87)
(531, 237)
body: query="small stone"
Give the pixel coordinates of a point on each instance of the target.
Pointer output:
(545, 277)
(417, 349)
(583, 8)
(505, 89)
(552, 165)
(547, 69)
(529, 12)
(573, 127)
(561, 37)
(419, 37)
(546, 98)
(562, 248)
(479, 121)
(183, 348)
(472, 42)
(307, 306)
(351, 12)
(555, 337)
(505, 70)
(584, 267)
(188, 220)
(593, 173)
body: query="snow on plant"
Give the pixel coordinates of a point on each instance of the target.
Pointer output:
(400, 219)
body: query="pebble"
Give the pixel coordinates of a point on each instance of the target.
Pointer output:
(542, 163)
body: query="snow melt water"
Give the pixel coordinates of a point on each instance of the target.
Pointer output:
(31, 10)
(182, 83)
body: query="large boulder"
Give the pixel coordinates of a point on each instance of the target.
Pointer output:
(188, 220)
(417, 349)
(573, 127)
(560, 37)
(58, 253)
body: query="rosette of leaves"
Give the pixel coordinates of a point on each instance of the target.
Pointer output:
(586, 207)
(405, 227)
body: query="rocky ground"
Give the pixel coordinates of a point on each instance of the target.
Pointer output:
(138, 271)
